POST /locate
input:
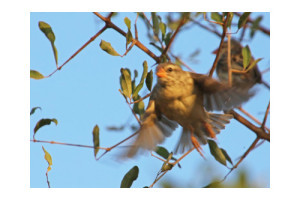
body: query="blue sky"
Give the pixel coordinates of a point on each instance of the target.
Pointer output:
(85, 93)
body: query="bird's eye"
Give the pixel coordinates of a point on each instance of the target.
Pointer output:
(170, 69)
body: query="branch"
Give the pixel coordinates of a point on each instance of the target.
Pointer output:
(257, 130)
(221, 43)
(137, 43)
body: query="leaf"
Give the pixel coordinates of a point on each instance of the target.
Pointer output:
(163, 152)
(230, 17)
(168, 38)
(163, 28)
(243, 19)
(128, 38)
(140, 85)
(216, 152)
(226, 156)
(127, 22)
(106, 46)
(255, 26)
(96, 140)
(139, 108)
(48, 159)
(126, 82)
(33, 110)
(253, 64)
(36, 75)
(42, 123)
(246, 56)
(47, 30)
(166, 166)
(149, 80)
(155, 23)
(129, 177)
(216, 16)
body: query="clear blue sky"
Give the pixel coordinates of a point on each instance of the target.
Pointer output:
(85, 93)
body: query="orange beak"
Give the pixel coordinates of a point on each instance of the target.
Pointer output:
(161, 73)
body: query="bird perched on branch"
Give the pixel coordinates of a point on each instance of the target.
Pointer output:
(182, 97)
(244, 80)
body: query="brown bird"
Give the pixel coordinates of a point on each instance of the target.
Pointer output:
(182, 97)
(243, 80)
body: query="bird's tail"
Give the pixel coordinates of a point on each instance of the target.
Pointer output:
(214, 124)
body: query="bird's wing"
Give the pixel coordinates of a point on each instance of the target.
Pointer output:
(218, 96)
(153, 130)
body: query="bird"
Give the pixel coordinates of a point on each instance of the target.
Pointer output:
(244, 80)
(185, 98)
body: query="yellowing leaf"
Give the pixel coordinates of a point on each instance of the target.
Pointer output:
(36, 75)
(106, 46)
(253, 64)
(127, 22)
(246, 56)
(126, 82)
(129, 177)
(47, 30)
(140, 85)
(48, 159)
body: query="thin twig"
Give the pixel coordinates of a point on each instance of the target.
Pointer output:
(229, 60)
(68, 144)
(252, 146)
(157, 179)
(137, 42)
(173, 36)
(146, 96)
(79, 50)
(206, 28)
(184, 64)
(252, 117)
(220, 46)
(266, 116)
(257, 130)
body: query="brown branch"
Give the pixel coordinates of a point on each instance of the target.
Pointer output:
(221, 43)
(109, 24)
(266, 116)
(68, 144)
(80, 49)
(257, 130)
(183, 20)
(252, 117)
(229, 61)
(252, 146)
(206, 28)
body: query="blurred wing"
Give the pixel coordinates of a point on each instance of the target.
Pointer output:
(218, 96)
(153, 130)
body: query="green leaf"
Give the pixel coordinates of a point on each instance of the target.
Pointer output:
(155, 23)
(243, 19)
(163, 152)
(216, 152)
(163, 28)
(168, 38)
(126, 82)
(96, 140)
(226, 156)
(36, 75)
(230, 17)
(216, 16)
(47, 30)
(140, 85)
(33, 110)
(149, 80)
(127, 22)
(139, 108)
(106, 46)
(42, 123)
(253, 64)
(129, 177)
(48, 159)
(255, 26)
(128, 38)
(246, 56)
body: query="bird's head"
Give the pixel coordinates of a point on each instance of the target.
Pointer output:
(168, 73)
